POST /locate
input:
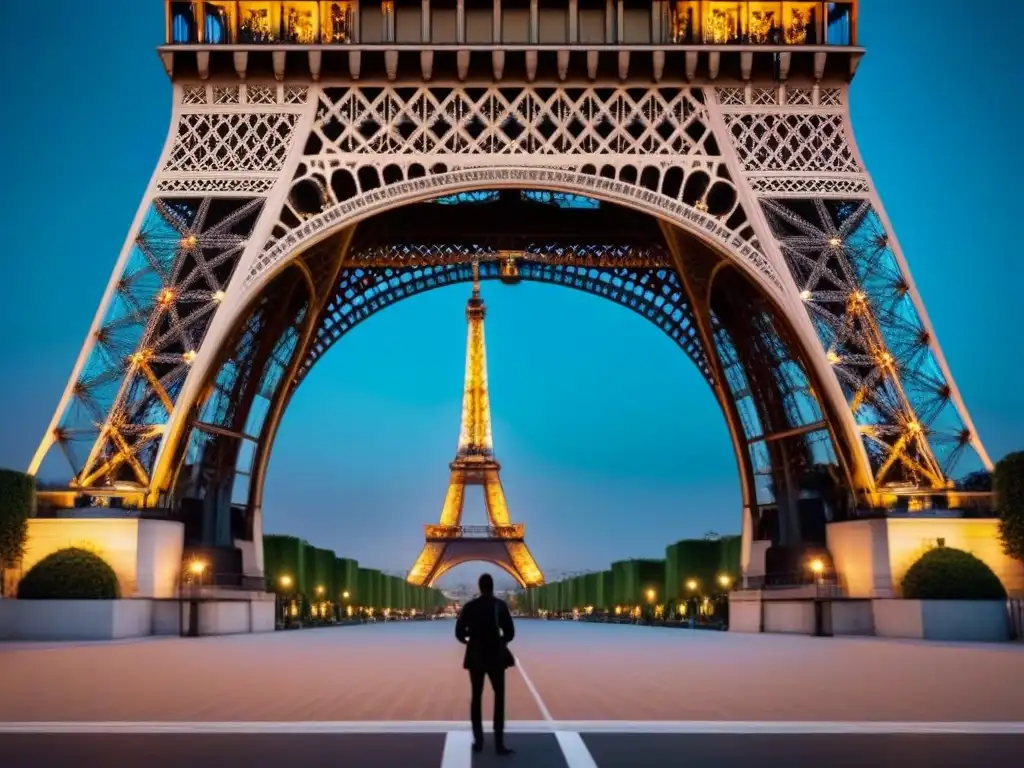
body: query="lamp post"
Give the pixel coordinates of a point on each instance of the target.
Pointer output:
(691, 603)
(286, 584)
(817, 566)
(196, 568)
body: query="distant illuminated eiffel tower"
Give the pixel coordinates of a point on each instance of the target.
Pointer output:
(500, 542)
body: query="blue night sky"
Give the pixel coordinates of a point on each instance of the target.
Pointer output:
(612, 445)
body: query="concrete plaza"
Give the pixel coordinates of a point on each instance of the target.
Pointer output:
(583, 695)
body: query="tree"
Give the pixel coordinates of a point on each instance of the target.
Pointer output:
(17, 501)
(976, 481)
(1008, 485)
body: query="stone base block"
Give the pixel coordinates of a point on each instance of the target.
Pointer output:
(75, 619)
(951, 620)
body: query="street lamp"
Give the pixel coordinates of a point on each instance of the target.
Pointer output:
(320, 591)
(725, 580)
(286, 582)
(345, 594)
(817, 566)
(650, 595)
(691, 584)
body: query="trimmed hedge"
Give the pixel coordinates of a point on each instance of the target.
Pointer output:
(17, 501)
(946, 573)
(1008, 485)
(70, 574)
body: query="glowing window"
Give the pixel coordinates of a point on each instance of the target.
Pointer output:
(300, 22)
(220, 22)
(723, 22)
(764, 22)
(183, 23)
(259, 22)
(685, 22)
(337, 22)
(800, 23)
(839, 21)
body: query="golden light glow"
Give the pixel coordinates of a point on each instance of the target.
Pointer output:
(885, 358)
(286, 581)
(834, 242)
(913, 426)
(833, 357)
(217, 296)
(319, 590)
(725, 580)
(189, 356)
(805, 295)
(817, 566)
(166, 297)
(345, 595)
(197, 567)
(189, 242)
(702, 206)
(337, 22)
(475, 430)
(650, 595)
(857, 296)
(691, 584)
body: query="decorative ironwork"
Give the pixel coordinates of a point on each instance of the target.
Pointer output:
(653, 292)
(445, 532)
(860, 303)
(174, 279)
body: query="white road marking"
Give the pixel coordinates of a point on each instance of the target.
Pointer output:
(533, 691)
(737, 727)
(457, 750)
(573, 749)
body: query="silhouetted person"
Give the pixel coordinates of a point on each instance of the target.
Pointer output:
(485, 627)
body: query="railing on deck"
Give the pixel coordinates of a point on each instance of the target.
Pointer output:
(445, 532)
(680, 22)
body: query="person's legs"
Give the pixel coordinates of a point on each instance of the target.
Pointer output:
(476, 685)
(497, 677)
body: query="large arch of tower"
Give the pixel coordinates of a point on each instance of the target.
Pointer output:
(787, 438)
(298, 195)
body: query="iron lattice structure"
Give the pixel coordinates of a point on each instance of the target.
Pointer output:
(718, 193)
(500, 542)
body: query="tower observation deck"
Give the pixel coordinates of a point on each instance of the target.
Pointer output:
(669, 41)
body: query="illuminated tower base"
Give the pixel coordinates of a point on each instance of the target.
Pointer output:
(500, 542)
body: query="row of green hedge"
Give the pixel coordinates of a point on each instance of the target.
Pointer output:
(295, 567)
(17, 502)
(629, 583)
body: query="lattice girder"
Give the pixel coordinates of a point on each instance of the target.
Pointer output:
(856, 294)
(655, 294)
(181, 264)
(725, 164)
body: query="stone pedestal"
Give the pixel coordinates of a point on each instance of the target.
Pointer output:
(145, 554)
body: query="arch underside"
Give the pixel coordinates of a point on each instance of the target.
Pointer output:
(374, 149)
(787, 453)
(475, 551)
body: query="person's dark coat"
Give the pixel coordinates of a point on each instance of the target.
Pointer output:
(477, 627)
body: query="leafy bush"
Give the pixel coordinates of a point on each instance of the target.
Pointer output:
(946, 573)
(1008, 485)
(17, 500)
(70, 574)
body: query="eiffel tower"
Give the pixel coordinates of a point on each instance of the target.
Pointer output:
(500, 542)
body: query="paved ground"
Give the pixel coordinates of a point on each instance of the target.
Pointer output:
(584, 695)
